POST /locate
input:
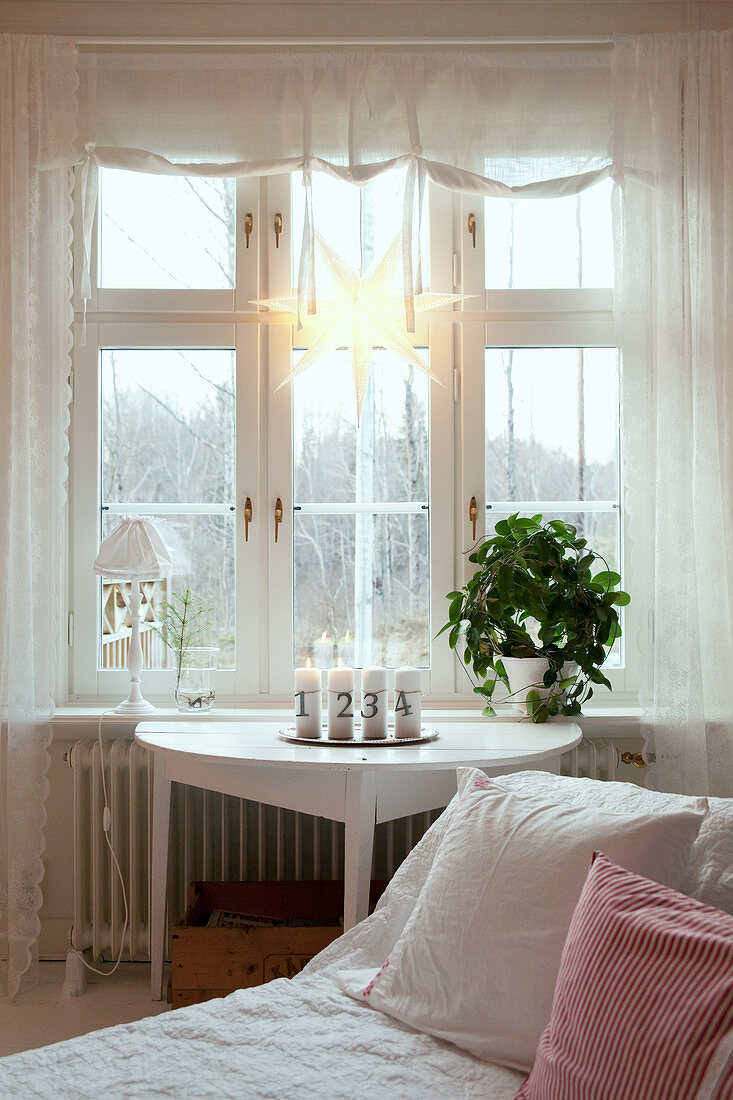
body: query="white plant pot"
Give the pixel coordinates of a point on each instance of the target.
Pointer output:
(526, 674)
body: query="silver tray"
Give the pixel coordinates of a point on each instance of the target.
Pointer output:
(288, 734)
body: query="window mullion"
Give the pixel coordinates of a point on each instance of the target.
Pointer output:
(473, 433)
(278, 340)
(279, 479)
(84, 514)
(250, 554)
(442, 497)
(247, 283)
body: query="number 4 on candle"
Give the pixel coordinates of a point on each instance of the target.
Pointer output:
(401, 704)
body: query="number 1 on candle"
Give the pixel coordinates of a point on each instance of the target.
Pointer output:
(301, 712)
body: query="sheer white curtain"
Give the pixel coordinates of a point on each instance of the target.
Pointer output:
(674, 147)
(37, 126)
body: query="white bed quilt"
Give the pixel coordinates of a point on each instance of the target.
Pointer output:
(301, 1038)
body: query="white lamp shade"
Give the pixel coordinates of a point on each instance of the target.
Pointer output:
(134, 551)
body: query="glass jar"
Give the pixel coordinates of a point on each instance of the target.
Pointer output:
(196, 679)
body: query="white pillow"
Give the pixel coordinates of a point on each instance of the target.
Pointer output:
(709, 876)
(477, 961)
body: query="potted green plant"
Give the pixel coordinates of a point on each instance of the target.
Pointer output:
(538, 615)
(183, 625)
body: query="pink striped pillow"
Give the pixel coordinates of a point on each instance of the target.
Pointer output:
(644, 996)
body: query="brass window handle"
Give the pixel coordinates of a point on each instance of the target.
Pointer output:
(278, 229)
(247, 517)
(472, 227)
(473, 514)
(249, 224)
(278, 515)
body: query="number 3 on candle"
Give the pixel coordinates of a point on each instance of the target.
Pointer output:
(371, 699)
(346, 711)
(402, 706)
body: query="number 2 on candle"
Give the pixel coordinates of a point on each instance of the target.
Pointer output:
(346, 712)
(370, 699)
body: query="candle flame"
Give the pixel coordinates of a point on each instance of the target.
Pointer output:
(323, 636)
(347, 636)
(308, 663)
(340, 663)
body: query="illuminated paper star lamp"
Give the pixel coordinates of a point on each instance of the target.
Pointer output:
(361, 312)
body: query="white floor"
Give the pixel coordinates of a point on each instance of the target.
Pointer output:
(42, 1016)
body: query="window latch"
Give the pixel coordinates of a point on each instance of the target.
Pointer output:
(278, 229)
(472, 227)
(247, 517)
(278, 516)
(473, 514)
(249, 224)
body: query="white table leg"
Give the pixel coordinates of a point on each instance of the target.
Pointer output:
(361, 804)
(159, 876)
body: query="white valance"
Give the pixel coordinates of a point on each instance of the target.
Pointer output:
(529, 122)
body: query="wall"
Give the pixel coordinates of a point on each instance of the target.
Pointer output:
(379, 20)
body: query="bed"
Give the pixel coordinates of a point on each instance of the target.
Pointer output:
(307, 1037)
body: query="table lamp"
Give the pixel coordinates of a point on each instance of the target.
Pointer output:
(134, 551)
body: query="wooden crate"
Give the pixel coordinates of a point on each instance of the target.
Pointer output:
(212, 962)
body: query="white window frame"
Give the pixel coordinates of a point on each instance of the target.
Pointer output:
(437, 336)
(227, 318)
(165, 318)
(523, 318)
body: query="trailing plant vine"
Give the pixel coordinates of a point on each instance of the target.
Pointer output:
(535, 594)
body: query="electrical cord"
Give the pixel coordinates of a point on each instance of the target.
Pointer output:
(107, 825)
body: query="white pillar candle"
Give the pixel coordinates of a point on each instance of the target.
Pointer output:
(323, 651)
(308, 702)
(346, 649)
(407, 702)
(340, 703)
(374, 703)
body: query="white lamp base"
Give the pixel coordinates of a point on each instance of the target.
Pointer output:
(134, 703)
(132, 706)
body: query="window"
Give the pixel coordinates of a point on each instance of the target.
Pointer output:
(166, 231)
(543, 374)
(167, 451)
(179, 414)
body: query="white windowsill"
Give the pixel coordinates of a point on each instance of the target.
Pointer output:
(621, 720)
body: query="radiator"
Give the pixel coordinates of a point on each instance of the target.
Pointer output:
(213, 837)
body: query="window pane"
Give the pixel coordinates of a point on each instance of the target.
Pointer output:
(167, 425)
(551, 424)
(166, 232)
(361, 589)
(203, 552)
(385, 457)
(535, 243)
(336, 215)
(365, 574)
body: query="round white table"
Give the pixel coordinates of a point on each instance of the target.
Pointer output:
(359, 785)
